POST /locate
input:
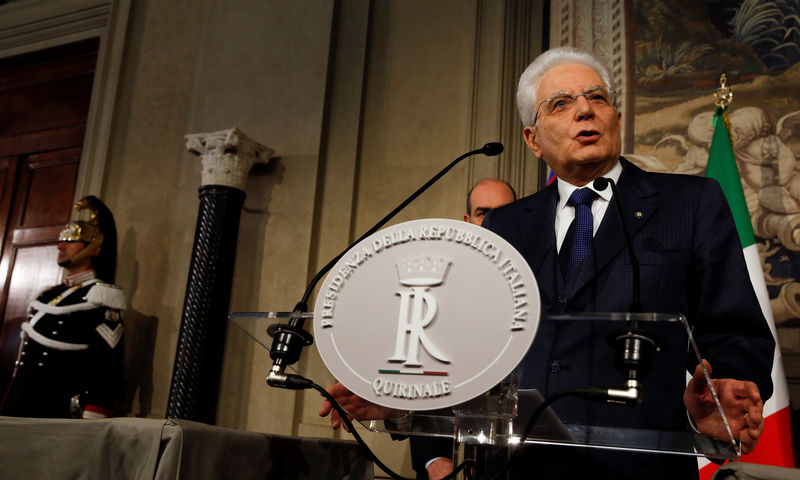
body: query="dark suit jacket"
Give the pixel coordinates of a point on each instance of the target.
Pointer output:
(691, 262)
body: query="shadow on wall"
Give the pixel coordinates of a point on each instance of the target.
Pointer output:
(252, 231)
(251, 235)
(236, 381)
(140, 342)
(140, 338)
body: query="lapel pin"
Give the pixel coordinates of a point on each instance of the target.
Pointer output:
(638, 215)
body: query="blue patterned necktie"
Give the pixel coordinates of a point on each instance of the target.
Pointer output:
(579, 236)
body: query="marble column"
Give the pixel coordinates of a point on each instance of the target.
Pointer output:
(226, 157)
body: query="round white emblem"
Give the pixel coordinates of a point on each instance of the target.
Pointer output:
(426, 314)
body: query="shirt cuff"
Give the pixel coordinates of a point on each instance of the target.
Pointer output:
(428, 463)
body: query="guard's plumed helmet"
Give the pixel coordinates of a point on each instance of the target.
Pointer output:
(94, 226)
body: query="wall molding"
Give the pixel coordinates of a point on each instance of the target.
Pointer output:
(34, 25)
(512, 28)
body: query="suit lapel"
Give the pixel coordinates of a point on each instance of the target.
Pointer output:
(638, 198)
(539, 238)
(538, 247)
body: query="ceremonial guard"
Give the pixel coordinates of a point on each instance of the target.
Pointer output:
(70, 358)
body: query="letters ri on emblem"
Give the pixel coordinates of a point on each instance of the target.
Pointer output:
(418, 307)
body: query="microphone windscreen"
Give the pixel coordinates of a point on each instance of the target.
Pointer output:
(600, 183)
(493, 148)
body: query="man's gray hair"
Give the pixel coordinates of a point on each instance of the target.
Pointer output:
(530, 78)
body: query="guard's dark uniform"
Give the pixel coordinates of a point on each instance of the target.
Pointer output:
(71, 353)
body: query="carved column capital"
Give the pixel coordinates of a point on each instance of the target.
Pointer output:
(227, 156)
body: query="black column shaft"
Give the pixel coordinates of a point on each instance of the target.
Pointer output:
(194, 390)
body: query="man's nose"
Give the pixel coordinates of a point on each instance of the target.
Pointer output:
(583, 108)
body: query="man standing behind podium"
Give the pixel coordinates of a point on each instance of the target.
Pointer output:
(690, 255)
(691, 262)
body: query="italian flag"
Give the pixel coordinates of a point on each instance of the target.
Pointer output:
(775, 444)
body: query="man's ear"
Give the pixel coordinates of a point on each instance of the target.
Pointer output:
(530, 140)
(466, 218)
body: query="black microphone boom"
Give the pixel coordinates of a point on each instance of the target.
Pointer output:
(490, 150)
(634, 348)
(600, 184)
(288, 339)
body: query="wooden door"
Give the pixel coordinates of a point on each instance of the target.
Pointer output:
(44, 103)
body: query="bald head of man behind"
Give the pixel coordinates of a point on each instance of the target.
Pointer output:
(487, 194)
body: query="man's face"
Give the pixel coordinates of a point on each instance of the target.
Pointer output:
(485, 196)
(67, 250)
(580, 143)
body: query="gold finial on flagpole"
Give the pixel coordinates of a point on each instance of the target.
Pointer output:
(722, 99)
(723, 96)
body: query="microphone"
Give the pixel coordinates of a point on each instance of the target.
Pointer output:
(634, 349)
(492, 149)
(289, 339)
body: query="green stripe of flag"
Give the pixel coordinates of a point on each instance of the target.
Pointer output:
(722, 167)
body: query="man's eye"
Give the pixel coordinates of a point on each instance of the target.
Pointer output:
(560, 103)
(598, 97)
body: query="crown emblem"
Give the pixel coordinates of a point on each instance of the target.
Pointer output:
(422, 270)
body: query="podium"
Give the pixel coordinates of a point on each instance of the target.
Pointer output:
(493, 425)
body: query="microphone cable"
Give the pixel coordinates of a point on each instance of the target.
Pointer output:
(306, 383)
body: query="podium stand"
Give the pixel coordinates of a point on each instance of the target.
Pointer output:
(492, 425)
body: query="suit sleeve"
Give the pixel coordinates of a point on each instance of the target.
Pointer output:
(728, 323)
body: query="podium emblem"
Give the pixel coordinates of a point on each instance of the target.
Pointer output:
(426, 314)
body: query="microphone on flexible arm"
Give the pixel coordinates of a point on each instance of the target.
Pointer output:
(634, 349)
(288, 339)
(600, 184)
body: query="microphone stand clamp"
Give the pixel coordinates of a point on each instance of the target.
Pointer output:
(288, 340)
(634, 350)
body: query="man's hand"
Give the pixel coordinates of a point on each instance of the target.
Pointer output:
(740, 400)
(440, 468)
(355, 406)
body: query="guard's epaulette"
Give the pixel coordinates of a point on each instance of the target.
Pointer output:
(107, 295)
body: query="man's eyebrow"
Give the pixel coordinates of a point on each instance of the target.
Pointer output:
(482, 209)
(594, 87)
(557, 93)
(566, 92)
